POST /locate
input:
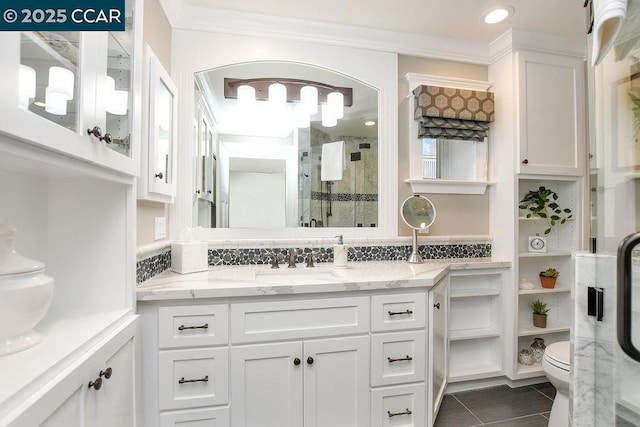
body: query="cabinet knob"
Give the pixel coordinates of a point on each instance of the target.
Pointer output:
(437, 306)
(106, 373)
(309, 360)
(159, 175)
(525, 162)
(97, 132)
(296, 361)
(96, 384)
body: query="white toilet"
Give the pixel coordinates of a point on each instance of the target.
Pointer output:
(556, 364)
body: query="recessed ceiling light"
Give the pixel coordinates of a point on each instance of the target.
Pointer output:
(497, 14)
(369, 123)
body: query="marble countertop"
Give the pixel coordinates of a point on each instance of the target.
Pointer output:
(259, 280)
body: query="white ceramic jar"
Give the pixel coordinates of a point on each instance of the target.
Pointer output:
(25, 295)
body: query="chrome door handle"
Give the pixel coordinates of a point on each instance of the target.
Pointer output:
(625, 291)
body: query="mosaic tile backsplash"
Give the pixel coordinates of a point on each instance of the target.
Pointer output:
(149, 267)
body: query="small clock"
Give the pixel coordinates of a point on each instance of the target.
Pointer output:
(537, 244)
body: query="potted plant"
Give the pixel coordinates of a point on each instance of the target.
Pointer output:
(542, 203)
(540, 311)
(548, 278)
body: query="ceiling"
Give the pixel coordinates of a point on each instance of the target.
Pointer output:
(456, 19)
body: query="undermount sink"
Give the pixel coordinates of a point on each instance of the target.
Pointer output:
(292, 276)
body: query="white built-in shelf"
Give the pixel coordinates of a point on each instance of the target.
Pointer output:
(479, 292)
(524, 218)
(445, 186)
(543, 254)
(632, 175)
(469, 334)
(480, 372)
(553, 326)
(531, 371)
(543, 290)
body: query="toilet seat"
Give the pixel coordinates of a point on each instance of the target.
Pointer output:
(559, 355)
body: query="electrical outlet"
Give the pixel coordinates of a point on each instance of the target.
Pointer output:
(160, 230)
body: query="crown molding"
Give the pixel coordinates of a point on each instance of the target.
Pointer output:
(186, 17)
(513, 40)
(416, 79)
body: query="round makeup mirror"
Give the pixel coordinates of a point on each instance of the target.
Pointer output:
(418, 213)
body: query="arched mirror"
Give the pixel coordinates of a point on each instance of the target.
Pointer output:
(418, 213)
(309, 160)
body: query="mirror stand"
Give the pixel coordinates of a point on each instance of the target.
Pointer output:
(414, 257)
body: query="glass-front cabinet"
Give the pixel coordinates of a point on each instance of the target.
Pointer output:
(72, 92)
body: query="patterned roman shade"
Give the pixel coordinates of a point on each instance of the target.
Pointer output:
(450, 113)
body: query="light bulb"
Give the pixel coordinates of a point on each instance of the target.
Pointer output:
(246, 95)
(309, 98)
(61, 82)
(328, 116)
(118, 102)
(336, 102)
(277, 94)
(27, 85)
(55, 103)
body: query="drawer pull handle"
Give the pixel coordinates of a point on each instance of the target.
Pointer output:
(404, 359)
(182, 327)
(395, 313)
(204, 380)
(406, 412)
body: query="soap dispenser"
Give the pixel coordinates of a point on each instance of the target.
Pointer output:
(340, 253)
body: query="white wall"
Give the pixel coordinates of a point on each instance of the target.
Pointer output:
(257, 199)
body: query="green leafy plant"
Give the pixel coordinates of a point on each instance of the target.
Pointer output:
(636, 111)
(539, 307)
(542, 203)
(550, 272)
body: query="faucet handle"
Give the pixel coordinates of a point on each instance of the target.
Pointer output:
(274, 259)
(293, 253)
(310, 256)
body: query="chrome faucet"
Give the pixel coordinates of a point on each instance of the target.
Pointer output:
(292, 257)
(310, 256)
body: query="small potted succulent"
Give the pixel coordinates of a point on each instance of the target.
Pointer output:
(540, 310)
(548, 278)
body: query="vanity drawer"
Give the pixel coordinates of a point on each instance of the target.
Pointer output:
(192, 378)
(398, 406)
(393, 312)
(214, 417)
(193, 325)
(279, 320)
(398, 357)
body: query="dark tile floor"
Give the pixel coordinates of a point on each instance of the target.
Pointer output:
(502, 406)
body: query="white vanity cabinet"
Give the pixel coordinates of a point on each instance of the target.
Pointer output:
(98, 390)
(550, 113)
(59, 85)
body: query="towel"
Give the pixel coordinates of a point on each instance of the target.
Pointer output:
(608, 16)
(332, 163)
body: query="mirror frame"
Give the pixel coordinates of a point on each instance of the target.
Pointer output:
(377, 69)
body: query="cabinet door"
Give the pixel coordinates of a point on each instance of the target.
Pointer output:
(551, 114)
(113, 403)
(55, 89)
(158, 179)
(336, 382)
(438, 345)
(267, 385)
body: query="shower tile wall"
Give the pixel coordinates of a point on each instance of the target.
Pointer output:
(354, 199)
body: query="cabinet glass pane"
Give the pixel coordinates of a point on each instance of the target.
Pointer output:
(49, 75)
(164, 132)
(119, 85)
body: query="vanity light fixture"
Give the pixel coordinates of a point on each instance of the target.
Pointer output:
(55, 103)
(27, 85)
(329, 118)
(370, 123)
(246, 95)
(294, 90)
(336, 103)
(497, 14)
(117, 100)
(309, 98)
